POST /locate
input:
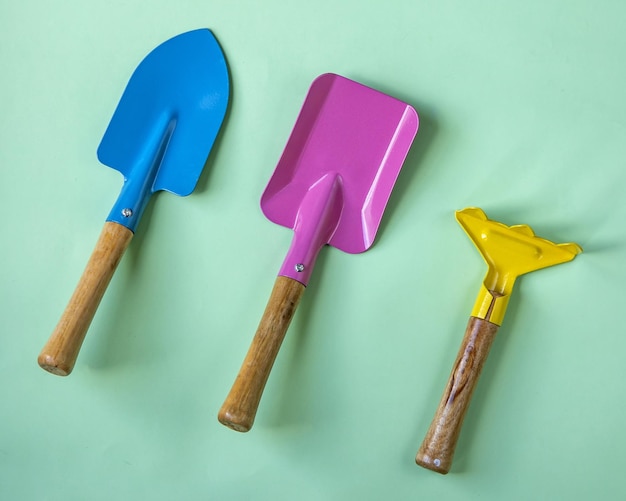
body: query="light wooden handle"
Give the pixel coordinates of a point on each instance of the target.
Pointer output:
(240, 406)
(59, 354)
(438, 447)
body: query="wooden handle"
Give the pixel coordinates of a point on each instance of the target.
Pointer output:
(59, 354)
(438, 447)
(241, 404)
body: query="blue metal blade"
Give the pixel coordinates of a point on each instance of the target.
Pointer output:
(166, 122)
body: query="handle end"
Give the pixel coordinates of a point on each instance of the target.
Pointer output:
(238, 421)
(53, 366)
(439, 465)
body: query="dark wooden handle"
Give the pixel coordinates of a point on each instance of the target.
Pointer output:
(59, 354)
(438, 447)
(240, 406)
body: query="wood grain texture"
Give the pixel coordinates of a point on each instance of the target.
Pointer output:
(438, 447)
(241, 404)
(59, 354)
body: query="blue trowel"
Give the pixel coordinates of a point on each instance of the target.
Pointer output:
(159, 138)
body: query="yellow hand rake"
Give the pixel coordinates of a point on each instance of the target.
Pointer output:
(510, 251)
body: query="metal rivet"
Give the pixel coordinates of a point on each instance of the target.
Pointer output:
(299, 267)
(127, 212)
(437, 462)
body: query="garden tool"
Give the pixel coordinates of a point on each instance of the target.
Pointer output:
(510, 251)
(159, 138)
(330, 186)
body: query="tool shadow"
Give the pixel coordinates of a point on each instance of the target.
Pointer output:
(109, 343)
(290, 405)
(112, 345)
(296, 379)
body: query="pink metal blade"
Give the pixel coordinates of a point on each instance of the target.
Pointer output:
(347, 147)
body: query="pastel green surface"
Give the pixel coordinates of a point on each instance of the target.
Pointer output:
(522, 113)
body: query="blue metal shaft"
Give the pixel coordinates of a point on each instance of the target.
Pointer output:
(138, 188)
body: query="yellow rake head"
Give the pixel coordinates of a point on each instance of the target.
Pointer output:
(509, 251)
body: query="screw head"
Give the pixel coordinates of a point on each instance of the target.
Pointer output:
(127, 212)
(299, 267)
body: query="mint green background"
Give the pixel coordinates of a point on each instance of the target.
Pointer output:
(522, 108)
